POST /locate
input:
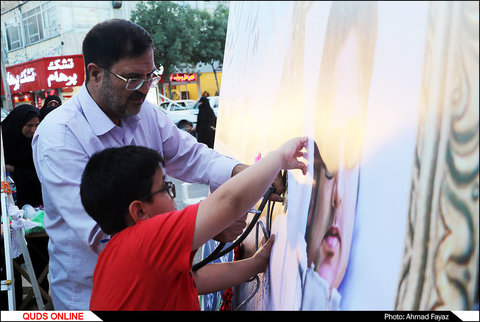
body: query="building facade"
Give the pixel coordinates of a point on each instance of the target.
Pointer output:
(35, 30)
(32, 30)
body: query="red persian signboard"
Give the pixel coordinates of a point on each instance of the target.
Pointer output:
(45, 73)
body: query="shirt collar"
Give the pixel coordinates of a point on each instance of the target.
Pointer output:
(97, 119)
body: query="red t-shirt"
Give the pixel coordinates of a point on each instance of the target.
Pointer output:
(148, 266)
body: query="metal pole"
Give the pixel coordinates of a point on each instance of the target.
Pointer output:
(30, 270)
(6, 88)
(8, 284)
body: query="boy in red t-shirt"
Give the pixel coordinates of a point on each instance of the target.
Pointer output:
(147, 264)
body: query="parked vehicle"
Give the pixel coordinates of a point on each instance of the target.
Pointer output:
(180, 112)
(185, 103)
(184, 111)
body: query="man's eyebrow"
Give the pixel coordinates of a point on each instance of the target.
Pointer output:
(137, 75)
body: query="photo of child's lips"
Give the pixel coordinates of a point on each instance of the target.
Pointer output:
(332, 238)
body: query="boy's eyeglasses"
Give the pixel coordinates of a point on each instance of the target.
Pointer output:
(133, 84)
(169, 187)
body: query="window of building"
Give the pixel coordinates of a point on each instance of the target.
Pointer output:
(50, 21)
(33, 23)
(13, 31)
(36, 24)
(14, 37)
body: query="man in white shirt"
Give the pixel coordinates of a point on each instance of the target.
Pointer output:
(109, 111)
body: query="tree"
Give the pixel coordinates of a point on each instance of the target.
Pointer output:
(183, 36)
(170, 26)
(211, 39)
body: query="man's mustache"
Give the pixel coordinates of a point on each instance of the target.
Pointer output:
(137, 95)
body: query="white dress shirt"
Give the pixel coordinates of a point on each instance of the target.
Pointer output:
(63, 143)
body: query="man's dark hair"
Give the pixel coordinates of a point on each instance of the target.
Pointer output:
(111, 40)
(115, 177)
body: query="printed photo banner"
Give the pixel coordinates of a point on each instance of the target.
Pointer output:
(387, 216)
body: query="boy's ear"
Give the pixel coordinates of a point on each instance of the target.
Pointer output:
(136, 211)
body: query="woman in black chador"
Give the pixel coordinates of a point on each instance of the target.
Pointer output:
(206, 123)
(18, 129)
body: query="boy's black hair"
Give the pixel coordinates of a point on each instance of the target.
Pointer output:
(111, 40)
(115, 177)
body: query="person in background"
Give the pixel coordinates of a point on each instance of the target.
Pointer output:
(206, 123)
(18, 129)
(51, 103)
(110, 110)
(190, 129)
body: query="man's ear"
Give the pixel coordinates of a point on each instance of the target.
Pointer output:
(136, 211)
(95, 72)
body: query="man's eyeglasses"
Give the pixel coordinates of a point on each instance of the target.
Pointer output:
(169, 187)
(133, 84)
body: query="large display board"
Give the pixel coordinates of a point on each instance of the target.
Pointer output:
(387, 215)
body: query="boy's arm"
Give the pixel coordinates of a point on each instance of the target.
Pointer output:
(221, 276)
(235, 197)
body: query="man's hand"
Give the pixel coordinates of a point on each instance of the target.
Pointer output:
(278, 184)
(232, 232)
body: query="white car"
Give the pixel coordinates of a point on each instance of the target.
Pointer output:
(180, 112)
(185, 103)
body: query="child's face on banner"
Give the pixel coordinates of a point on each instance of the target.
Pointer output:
(333, 218)
(333, 223)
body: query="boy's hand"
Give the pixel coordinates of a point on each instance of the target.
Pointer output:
(262, 256)
(291, 151)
